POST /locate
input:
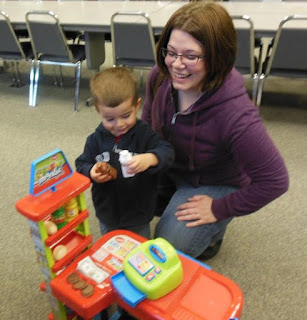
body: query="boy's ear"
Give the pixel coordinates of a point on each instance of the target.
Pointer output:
(138, 104)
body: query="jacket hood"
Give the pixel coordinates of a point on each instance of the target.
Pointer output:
(232, 88)
(227, 96)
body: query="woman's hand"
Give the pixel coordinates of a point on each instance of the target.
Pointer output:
(99, 177)
(197, 211)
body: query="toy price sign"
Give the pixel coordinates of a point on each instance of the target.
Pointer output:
(48, 171)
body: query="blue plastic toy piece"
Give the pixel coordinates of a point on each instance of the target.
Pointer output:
(48, 171)
(128, 292)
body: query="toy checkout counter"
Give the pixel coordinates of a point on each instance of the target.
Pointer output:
(148, 278)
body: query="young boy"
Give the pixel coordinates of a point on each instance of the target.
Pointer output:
(123, 203)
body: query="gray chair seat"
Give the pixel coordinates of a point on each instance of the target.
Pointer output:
(78, 53)
(25, 53)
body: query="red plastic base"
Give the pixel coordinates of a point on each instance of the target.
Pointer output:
(203, 294)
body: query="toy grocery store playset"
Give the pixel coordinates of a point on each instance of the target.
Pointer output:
(148, 278)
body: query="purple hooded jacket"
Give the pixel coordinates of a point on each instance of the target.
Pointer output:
(219, 140)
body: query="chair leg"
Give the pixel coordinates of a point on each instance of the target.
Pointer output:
(89, 102)
(19, 81)
(260, 89)
(255, 88)
(61, 76)
(78, 75)
(32, 75)
(5, 66)
(36, 78)
(14, 80)
(55, 77)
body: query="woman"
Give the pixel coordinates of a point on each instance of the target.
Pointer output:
(226, 164)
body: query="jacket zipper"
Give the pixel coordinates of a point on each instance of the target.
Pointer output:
(174, 117)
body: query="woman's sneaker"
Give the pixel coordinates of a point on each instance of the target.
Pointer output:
(211, 251)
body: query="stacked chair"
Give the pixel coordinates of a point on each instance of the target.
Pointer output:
(249, 52)
(50, 47)
(12, 49)
(133, 40)
(286, 55)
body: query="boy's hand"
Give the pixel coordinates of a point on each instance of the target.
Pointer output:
(101, 174)
(142, 162)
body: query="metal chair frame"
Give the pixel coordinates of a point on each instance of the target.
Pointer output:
(35, 70)
(270, 55)
(130, 61)
(11, 50)
(254, 73)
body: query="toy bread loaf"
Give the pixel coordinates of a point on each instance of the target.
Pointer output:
(106, 168)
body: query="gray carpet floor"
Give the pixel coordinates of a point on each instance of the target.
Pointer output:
(264, 253)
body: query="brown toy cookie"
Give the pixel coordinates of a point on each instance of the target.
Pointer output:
(88, 290)
(81, 284)
(73, 278)
(106, 168)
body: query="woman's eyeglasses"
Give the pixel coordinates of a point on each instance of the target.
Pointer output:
(187, 59)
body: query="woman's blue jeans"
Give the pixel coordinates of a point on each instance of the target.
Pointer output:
(191, 241)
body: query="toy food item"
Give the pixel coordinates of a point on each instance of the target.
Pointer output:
(51, 227)
(71, 209)
(124, 157)
(58, 217)
(59, 252)
(80, 285)
(106, 168)
(88, 290)
(73, 278)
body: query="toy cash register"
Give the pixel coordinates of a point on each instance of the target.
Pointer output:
(150, 271)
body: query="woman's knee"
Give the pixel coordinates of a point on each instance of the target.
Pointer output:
(191, 241)
(187, 240)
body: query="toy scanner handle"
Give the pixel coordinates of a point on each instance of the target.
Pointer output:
(157, 253)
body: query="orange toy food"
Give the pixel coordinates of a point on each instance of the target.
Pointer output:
(105, 168)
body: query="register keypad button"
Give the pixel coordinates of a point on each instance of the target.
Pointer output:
(157, 270)
(150, 276)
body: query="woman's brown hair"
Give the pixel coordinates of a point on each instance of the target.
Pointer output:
(211, 25)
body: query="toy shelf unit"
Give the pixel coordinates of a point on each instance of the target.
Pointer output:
(58, 218)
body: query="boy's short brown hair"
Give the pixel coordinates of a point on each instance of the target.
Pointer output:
(211, 25)
(113, 86)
